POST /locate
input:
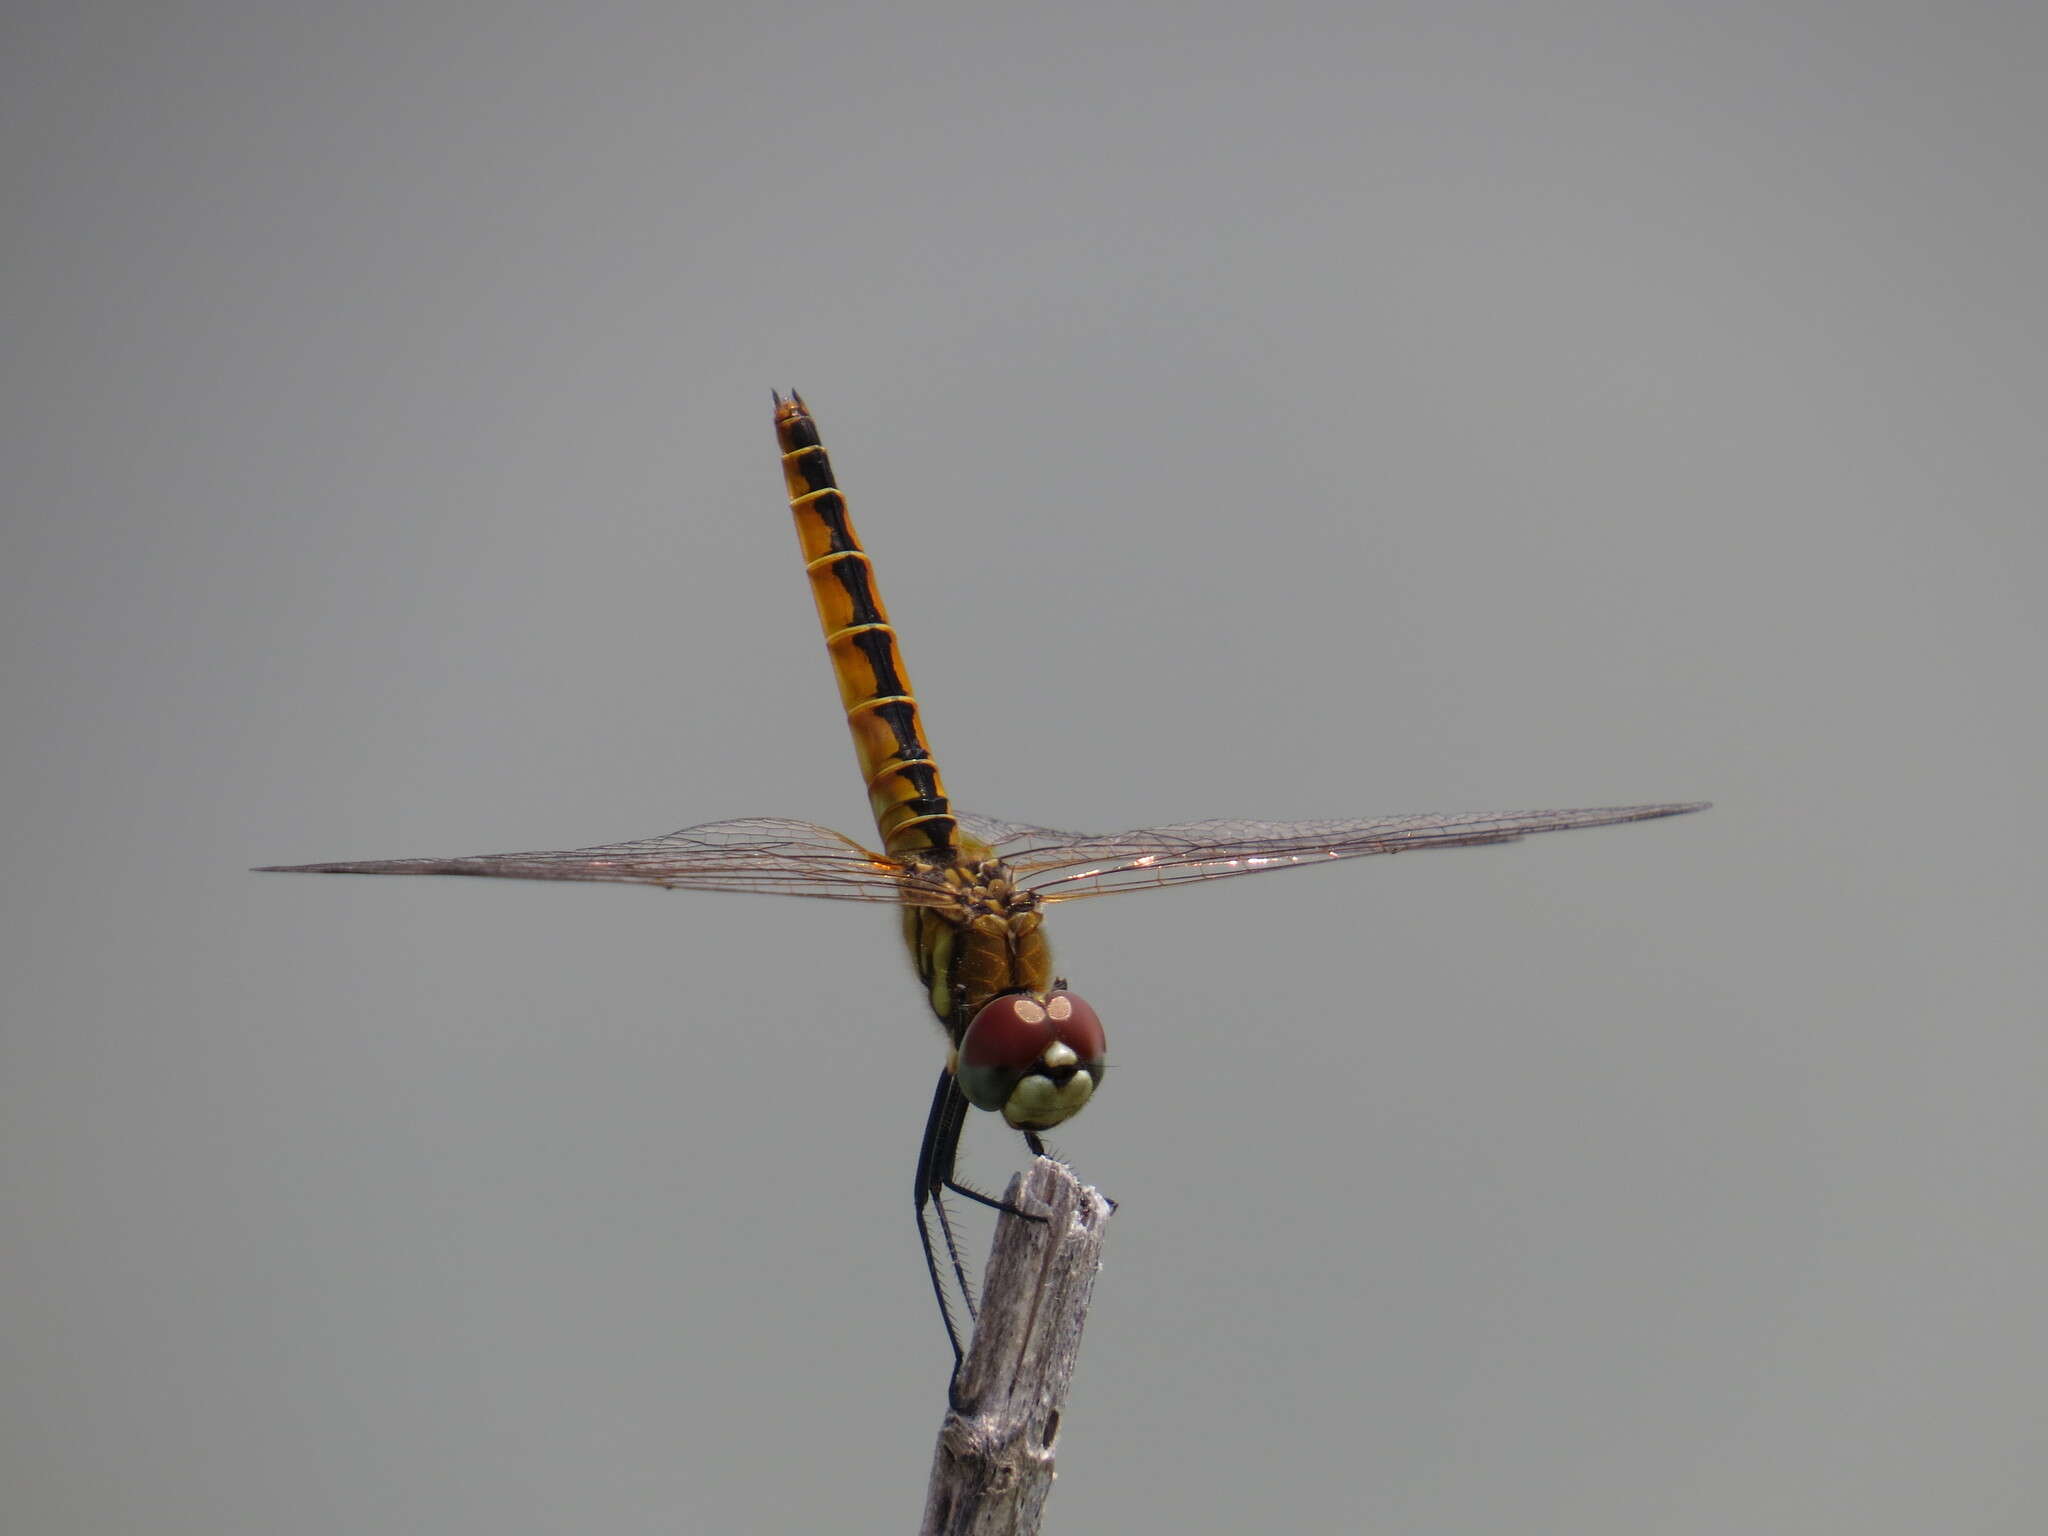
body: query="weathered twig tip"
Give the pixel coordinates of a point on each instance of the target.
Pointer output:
(993, 1466)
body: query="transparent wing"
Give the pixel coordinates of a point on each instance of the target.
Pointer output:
(1062, 866)
(765, 855)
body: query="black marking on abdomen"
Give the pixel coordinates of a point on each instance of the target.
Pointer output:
(879, 647)
(928, 800)
(803, 433)
(830, 509)
(857, 579)
(901, 718)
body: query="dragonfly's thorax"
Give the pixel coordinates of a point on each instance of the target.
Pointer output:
(988, 941)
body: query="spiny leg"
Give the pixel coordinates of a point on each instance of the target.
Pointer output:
(935, 1159)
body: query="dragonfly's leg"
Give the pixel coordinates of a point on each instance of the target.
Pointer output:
(935, 1159)
(935, 1173)
(993, 1202)
(1038, 1150)
(982, 1198)
(953, 1253)
(935, 1162)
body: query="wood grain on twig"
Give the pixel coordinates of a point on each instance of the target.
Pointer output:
(994, 1464)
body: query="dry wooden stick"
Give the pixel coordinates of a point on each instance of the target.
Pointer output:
(994, 1462)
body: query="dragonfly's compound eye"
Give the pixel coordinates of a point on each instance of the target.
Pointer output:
(1037, 1059)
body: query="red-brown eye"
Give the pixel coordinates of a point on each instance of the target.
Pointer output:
(1075, 1024)
(1037, 1059)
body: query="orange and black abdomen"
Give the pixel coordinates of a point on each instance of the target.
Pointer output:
(904, 790)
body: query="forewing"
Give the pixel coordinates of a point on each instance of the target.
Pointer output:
(763, 855)
(1062, 866)
(1002, 837)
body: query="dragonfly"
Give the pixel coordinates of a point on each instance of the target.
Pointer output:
(972, 890)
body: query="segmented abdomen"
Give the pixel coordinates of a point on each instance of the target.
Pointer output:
(904, 789)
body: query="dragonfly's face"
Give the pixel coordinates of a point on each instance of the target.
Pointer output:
(1037, 1058)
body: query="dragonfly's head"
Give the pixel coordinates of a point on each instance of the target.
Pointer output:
(1037, 1057)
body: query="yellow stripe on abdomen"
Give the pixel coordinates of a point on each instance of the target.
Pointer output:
(905, 792)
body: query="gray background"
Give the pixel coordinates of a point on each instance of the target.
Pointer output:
(1295, 412)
